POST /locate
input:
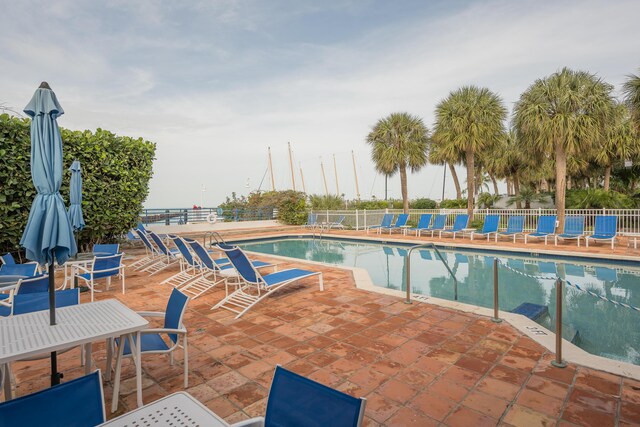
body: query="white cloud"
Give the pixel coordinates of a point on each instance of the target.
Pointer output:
(214, 97)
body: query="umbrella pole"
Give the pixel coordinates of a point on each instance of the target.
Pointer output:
(55, 375)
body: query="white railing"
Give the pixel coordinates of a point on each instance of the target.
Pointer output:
(628, 219)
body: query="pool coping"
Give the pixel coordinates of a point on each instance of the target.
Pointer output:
(571, 353)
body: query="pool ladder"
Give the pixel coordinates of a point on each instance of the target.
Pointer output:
(214, 238)
(408, 258)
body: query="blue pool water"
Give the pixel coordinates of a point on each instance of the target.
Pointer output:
(597, 326)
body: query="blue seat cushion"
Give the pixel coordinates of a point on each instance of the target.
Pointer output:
(285, 276)
(150, 342)
(603, 236)
(98, 275)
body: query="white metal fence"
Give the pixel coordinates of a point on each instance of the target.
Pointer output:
(628, 219)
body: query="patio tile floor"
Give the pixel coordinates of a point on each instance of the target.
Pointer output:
(417, 365)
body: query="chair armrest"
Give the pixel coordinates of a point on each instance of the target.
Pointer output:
(163, 331)
(86, 270)
(253, 422)
(151, 313)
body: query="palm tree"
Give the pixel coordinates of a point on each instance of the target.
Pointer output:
(563, 114)
(620, 142)
(631, 90)
(439, 155)
(398, 141)
(469, 120)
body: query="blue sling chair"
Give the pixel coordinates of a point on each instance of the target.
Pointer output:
(189, 266)
(489, 227)
(212, 271)
(387, 219)
(438, 224)
(296, 401)
(459, 224)
(253, 286)
(106, 248)
(152, 255)
(606, 228)
(400, 224)
(102, 267)
(573, 229)
(515, 227)
(165, 340)
(546, 227)
(423, 224)
(78, 402)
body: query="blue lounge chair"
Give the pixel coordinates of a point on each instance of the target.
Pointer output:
(401, 224)
(459, 225)
(212, 271)
(423, 223)
(254, 286)
(438, 224)
(546, 227)
(78, 402)
(489, 227)
(606, 228)
(166, 258)
(189, 267)
(387, 219)
(336, 224)
(102, 267)
(312, 221)
(298, 401)
(173, 332)
(515, 226)
(573, 229)
(106, 249)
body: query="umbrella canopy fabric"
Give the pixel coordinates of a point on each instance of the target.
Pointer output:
(75, 197)
(48, 235)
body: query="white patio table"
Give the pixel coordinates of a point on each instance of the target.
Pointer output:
(177, 409)
(29, 335)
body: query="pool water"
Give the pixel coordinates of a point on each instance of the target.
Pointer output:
(597, 326)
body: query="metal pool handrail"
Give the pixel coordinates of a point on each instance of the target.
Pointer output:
(212, 235)
(408, 257)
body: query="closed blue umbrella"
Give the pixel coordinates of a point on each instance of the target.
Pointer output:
(75, 197)
(48, 236)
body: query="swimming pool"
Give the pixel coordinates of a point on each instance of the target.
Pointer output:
(596, 326)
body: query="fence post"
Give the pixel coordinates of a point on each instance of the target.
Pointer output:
(365, 219)
(407, 259)
(167, 220)
(186, 216)
(558, 362)
(496, 309)
(235, 214)
(356, 219)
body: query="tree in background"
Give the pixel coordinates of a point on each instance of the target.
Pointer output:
(439, 154)
(469, 120)
(399, 141)
(631, 91)
(560, 115)
(620, 142)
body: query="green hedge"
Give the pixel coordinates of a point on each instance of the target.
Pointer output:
(115, 171)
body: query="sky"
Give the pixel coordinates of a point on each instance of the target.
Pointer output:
(215, 83)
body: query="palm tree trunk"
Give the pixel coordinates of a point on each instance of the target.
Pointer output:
(495, 184)
(561, 183)
(607, 177)
(470, 181)
(456, 181)
(516, 191)
(403, 188)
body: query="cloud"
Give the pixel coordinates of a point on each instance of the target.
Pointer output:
(216, 83)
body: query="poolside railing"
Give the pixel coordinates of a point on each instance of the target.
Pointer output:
(359, 219)
(199, 215)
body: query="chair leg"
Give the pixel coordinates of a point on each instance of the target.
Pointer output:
(107, 374)
(186, 362)
(123, 281)
(321, 282)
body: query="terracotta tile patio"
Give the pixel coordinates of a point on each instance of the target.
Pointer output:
(417, 365)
